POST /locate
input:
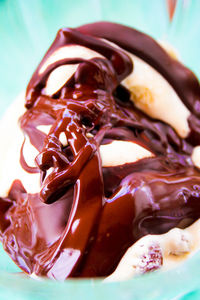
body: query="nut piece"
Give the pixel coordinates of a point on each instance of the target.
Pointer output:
(150, 261)
(177, 242)
(142, 97)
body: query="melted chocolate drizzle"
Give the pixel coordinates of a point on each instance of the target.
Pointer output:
(86, 216)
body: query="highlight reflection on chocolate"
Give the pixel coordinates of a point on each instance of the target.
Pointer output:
(88, 212)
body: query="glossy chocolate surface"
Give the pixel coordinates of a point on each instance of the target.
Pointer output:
(86, 216)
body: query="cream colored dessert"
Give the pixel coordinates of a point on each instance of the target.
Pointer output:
(153, 95)
(153, 252)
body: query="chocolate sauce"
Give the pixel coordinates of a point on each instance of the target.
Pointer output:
(86, 216)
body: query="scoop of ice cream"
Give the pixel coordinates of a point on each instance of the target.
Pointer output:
(106, 155)
(153, 252)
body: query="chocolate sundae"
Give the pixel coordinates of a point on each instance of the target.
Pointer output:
(101, 174)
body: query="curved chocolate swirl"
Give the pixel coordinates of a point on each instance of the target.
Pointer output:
(86, 216)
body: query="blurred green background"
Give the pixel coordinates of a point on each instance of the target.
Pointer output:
(27, 27)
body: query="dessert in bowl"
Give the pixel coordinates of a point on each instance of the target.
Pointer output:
(107, 159)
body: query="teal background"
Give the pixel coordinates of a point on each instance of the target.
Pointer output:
(27, 27)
